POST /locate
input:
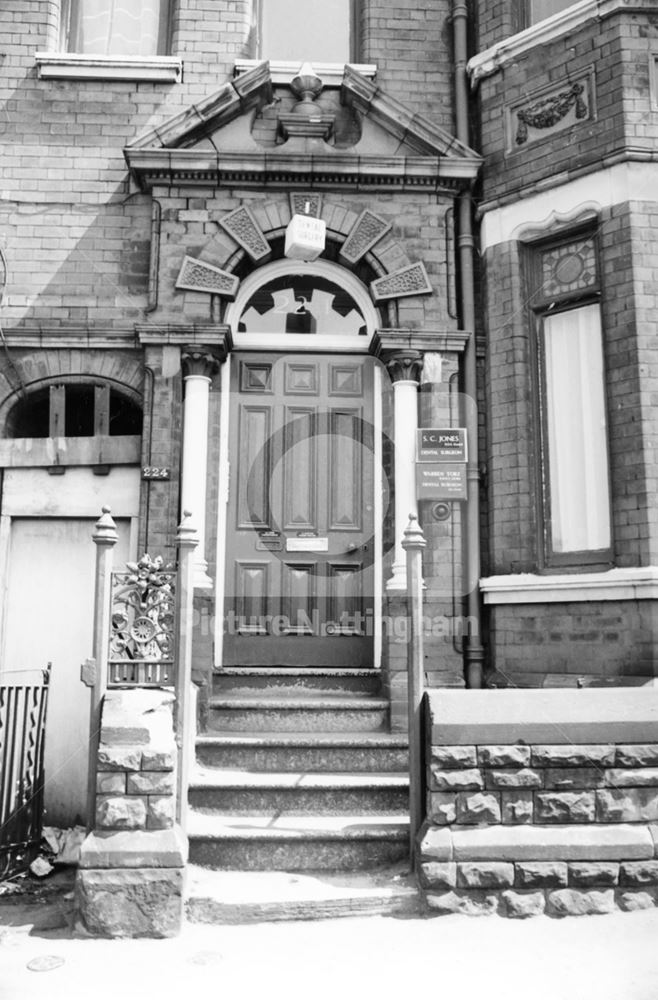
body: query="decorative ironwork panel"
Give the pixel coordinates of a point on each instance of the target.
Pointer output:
(22, 729)
(570, 267)
(141, 652)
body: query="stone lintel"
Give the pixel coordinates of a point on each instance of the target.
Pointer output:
(134, 849)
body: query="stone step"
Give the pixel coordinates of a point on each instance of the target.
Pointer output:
(305, 752)
(295, 682)
(249, 794)
(231, 897)
(297, 843)
(275, 714)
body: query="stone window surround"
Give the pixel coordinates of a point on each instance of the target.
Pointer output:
(491, 60)
(77, 66)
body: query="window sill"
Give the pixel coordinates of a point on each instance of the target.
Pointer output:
(611, 585)
(495, 58)
(331, 74)
(72, 66)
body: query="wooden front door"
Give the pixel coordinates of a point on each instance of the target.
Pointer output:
(299, 578)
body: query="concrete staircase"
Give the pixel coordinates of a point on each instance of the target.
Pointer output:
(298, 774)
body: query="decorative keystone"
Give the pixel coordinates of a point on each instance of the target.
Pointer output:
(366, 231)
(410, 280)
(241, 225)
(199, 276)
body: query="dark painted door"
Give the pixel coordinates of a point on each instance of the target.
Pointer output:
(299, 579)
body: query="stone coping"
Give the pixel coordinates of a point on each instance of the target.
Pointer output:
(566, 21)
(595, 842)
(134, 849)
(547, 716)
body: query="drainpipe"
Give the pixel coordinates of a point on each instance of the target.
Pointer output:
(473, 649)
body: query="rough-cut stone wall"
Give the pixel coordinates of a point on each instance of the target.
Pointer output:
(130, 880)
(526, 826)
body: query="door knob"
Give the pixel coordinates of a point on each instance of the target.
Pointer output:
(352, 547)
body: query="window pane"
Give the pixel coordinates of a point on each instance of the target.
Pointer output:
(541, 9)
(306, 30)
(118, 27)
(577, 439)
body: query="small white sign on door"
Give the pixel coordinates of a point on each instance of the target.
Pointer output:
(307, 544)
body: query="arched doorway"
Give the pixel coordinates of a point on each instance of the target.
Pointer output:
(305, 489)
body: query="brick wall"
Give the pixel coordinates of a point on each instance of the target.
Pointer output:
(618, 50)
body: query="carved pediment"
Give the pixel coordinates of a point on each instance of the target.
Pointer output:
(248, 133)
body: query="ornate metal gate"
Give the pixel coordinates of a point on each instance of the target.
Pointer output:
(22, 727)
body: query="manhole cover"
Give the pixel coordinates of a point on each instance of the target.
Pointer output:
(45, 963)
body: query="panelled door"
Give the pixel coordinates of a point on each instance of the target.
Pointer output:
(299, 581)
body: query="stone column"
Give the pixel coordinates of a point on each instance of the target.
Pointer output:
(199, 365)
(404, 368)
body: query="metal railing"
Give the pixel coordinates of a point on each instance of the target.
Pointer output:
(22, 727)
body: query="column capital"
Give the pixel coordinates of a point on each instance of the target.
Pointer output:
(200, 360)
(403, 364)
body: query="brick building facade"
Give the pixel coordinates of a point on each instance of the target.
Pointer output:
(146, 194)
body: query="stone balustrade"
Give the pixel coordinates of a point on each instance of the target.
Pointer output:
(530, 810)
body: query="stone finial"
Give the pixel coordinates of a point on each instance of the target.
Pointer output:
(105, 530)
(413, 535)
(307, 122)
(307, 87)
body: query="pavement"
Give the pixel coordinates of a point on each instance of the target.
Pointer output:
(612, 957)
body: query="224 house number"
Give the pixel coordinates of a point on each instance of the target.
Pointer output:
(155, 472)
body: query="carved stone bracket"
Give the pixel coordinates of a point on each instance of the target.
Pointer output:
(403, 365)
(200, 361)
